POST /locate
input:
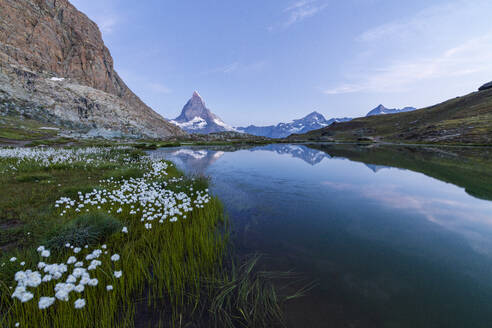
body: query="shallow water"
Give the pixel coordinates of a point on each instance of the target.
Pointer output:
(387, 246)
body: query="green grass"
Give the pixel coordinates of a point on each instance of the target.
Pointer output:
(175, 271)
(33, 177)
(125, 174)
(86, 229)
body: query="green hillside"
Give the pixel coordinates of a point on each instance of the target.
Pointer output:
(462, 120)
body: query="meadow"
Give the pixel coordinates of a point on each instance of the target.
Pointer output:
(108, 237)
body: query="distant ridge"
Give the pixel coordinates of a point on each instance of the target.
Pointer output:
(308, 123)
(381, 110)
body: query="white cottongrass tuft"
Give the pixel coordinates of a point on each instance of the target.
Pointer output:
(80, 303)
(45, 302)
(45, 253)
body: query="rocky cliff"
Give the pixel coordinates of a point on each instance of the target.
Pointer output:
(53, 58)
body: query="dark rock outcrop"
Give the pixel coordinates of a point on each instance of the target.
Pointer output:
(485, 86)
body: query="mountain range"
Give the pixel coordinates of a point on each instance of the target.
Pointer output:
(312, 121)
(196, 118)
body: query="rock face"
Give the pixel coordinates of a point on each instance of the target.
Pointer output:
(197, 118)
(52, 56)
(312, 121)
(381, 110)
(485, 86)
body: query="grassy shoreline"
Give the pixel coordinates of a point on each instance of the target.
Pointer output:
(154, 235)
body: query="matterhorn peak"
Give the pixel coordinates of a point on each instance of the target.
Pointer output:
(197, 118)
(196, 95)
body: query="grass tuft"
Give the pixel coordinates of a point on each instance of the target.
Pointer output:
(88, 229)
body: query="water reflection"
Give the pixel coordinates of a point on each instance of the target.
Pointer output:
(398, 248)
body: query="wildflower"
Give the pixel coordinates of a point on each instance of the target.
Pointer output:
(77, 250)
(118, 274)
(13, 259)
(40, 249)
(80, 303)
(93, 282)
(71, 260)
(115, 258)
(45, 253)
(124, 230)
(45, 302)
(22, 263)
(109, 287)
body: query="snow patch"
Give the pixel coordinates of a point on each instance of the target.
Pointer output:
(195, 124)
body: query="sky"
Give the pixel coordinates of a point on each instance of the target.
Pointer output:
(264, 62)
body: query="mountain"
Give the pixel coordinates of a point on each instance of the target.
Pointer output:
(310, 122)
(197, 118)
(461, 120)
(381, 110)
(308, 155)
(54, 67)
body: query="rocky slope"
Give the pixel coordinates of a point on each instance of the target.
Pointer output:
(381, 110)
(53, 63)
(308, 123)
(197, 118)
(461, 120)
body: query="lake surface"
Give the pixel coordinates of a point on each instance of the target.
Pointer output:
(386, 244)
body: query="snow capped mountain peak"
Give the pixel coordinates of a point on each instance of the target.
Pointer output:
(197, 96)
(197, 118)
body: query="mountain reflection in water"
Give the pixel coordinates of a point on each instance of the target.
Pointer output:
(406, 247)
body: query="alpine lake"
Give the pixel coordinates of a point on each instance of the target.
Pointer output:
(385, 236)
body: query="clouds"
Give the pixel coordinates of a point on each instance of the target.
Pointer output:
(299, 11)
(238, 67)
(434, 44)
(473, 56)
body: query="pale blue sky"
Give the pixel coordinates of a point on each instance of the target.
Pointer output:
(263, 62)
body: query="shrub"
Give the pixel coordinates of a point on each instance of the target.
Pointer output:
(87, 229)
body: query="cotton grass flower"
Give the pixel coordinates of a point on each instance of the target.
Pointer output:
(45, 302)
(79, 303)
